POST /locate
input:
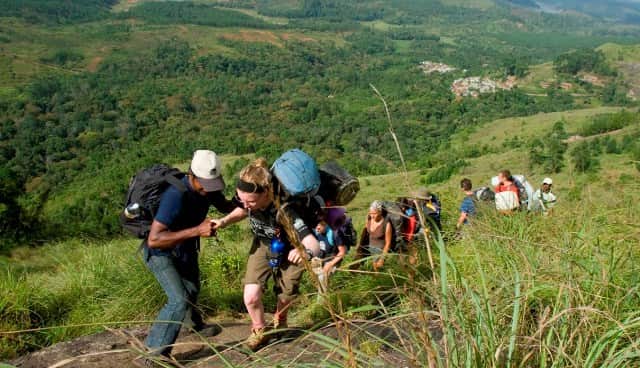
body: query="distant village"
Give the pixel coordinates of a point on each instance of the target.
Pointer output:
(470, 86)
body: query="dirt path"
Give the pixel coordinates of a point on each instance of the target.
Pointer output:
(578, 138)
(118, 348)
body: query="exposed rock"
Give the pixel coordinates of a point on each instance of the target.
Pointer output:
(119, 348)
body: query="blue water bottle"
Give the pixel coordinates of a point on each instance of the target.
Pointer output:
(275, 249)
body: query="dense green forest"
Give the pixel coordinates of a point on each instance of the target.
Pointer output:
(71, 136)
(56, 12)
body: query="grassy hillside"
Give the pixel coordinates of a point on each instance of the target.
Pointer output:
(92, 93)
(526, 277)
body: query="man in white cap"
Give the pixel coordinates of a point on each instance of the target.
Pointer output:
(543, 198)
(171, 249)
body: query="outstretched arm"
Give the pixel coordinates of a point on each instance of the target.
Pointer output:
(160, 237)
(238, 214)
(342, 251)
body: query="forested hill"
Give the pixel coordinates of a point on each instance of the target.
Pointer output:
(91, 91)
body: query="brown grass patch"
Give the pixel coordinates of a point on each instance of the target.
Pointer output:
(94, 63)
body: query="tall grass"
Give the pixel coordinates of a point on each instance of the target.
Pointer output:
(77, 287)
(527, 291)
(517, 291)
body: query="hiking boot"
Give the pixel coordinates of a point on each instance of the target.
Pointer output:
(207, 330)
(279, 324)
(257, 339)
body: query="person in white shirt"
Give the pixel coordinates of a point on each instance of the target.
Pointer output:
(543, 198)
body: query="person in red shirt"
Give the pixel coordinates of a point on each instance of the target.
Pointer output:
(507, 183)
(410, 227)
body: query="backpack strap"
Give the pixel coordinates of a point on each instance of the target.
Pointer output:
(176, 183)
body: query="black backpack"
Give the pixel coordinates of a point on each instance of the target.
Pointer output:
(143, 197)
(348, 234)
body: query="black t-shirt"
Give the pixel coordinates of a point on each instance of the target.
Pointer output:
(265, 225)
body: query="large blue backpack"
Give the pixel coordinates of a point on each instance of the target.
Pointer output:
(297, 174)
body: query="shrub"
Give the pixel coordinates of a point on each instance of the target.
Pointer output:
(584, 158)
(444, 172)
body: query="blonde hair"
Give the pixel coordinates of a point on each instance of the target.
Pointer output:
(257, 173)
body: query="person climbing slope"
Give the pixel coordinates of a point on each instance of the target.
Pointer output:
(272, 253)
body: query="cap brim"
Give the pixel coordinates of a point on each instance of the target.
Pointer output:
(212, 185)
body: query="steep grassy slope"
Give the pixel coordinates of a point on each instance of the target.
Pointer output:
(580, 264)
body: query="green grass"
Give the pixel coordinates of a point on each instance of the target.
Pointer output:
(497, 132)
(476, 4)
(541, 73)
(616, 52)
(532, 290)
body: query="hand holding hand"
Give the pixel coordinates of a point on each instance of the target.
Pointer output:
(218, 223)
(207, 228)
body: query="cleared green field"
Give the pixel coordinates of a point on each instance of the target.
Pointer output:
(499, 131)
(617, 53)
(27, 46)
(538, 75)
(477, 4)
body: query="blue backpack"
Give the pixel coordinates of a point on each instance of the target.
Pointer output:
(297, 174)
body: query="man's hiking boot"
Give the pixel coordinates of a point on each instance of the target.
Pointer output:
(207, 330)
(257, 339)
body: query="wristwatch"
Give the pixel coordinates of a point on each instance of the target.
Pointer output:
(309, 254)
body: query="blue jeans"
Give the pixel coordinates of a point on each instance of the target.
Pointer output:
(179, 277)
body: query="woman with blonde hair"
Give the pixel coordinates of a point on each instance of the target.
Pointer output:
(272, 253)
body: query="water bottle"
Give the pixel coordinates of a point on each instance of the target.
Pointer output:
(275, 249)
(133, 211)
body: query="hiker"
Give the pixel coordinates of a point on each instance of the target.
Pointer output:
(543, 198)
(468, 206)
(323, 237)
(410, 224)
(410, 228)
(272, 252)
(507, 194)
(171, 248)
(431, 207)
(330, 234)
(377, 235)
(336, 221)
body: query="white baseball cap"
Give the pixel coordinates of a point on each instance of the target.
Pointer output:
(547, 181)
(207, 168)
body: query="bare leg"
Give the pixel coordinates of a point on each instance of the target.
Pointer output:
(282, 310)
(253, 303)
